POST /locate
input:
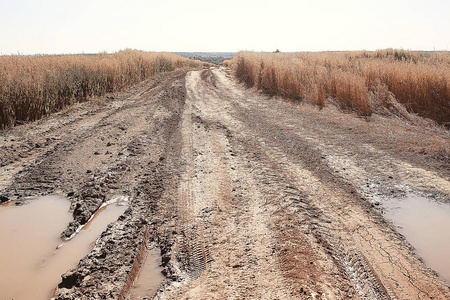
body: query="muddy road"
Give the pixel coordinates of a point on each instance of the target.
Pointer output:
(246, 196)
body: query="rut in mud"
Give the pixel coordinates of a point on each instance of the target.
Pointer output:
(246, 196)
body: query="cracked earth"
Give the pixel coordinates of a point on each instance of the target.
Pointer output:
(246, 196)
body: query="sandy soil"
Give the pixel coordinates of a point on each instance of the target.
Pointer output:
(248, 197)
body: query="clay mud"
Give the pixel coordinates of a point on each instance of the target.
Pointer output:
(246, 196)
(426, 226)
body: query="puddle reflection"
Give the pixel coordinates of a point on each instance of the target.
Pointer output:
(29, 239)
(149, 278)
(426, 226)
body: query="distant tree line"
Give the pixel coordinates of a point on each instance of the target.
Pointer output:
(216, 58)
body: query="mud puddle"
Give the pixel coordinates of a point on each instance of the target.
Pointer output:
(426, 226)
(149, 278)
(33, 255)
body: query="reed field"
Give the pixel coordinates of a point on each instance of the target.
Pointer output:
(364, 82)
(33, 86)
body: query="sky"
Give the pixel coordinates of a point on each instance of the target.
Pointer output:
(91, 26)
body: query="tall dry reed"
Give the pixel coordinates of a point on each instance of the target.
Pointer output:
(31, 87)
(357, 81)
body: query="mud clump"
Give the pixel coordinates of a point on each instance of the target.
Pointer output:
(246, 196)
(3, 199)
(70, 279)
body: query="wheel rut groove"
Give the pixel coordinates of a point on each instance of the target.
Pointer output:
(246, 196)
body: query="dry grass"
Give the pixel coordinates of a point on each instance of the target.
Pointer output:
(364, 82)
(31, 87)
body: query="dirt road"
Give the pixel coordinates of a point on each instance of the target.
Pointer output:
(248, 197)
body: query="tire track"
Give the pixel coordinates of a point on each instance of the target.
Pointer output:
(243, 195)
(325, 241)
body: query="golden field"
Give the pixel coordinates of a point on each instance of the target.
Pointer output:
(364, 82)
(33, 86)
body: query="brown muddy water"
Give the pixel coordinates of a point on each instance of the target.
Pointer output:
(149, 278)
(426, 226)
(33, 255)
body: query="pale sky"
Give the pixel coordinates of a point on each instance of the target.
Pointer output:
(90, 26)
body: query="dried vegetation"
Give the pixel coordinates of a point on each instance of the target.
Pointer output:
(33, 86)
(364, 82)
